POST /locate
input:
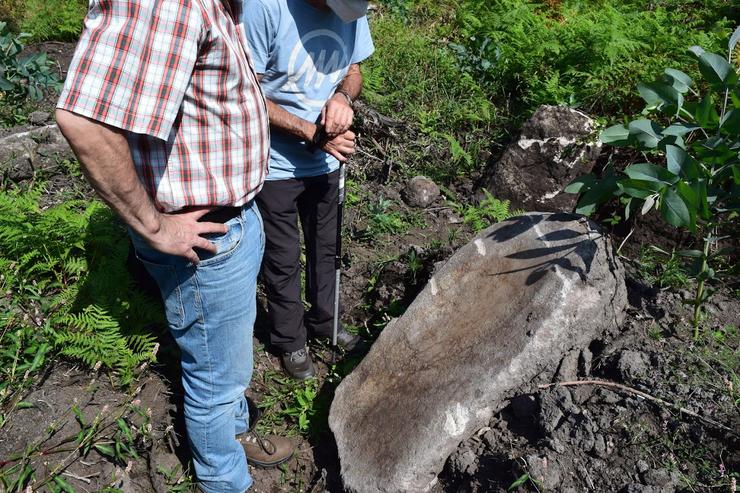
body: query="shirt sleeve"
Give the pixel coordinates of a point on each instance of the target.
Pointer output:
(261, 31)
(133, 64)
(364, 46)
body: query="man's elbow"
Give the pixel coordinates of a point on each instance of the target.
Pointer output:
(69, 123)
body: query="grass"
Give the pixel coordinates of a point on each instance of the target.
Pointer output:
(663, 269)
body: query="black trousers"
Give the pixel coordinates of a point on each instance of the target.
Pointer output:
(282, 203)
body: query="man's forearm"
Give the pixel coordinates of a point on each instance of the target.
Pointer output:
(106, 161)
(352, 82)
(286, 122)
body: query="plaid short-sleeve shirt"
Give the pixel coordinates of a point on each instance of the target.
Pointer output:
(177, 76)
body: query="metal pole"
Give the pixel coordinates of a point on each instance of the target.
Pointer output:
(338, 252)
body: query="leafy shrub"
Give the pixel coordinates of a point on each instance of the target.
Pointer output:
(696, 183)
(54, 19)
(11, 11)
(22, 77)
(579, 52)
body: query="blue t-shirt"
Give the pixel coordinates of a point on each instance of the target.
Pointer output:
(304, 54)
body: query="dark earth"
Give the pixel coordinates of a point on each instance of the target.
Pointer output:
(589, 437)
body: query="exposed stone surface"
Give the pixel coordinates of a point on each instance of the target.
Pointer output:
(420, 192)
(555, 146)
(505, 308)
(24, 154)
(39, 117)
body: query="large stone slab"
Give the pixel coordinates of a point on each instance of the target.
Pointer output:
(556, 145)
(504, 309)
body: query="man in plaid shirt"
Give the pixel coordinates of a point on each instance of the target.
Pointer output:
(164, 111)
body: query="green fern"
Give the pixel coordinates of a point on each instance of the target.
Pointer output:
(490, 210)
(66, 265)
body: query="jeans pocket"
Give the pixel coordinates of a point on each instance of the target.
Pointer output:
(168, 281)
(225, 243)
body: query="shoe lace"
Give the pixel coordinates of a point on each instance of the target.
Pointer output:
(264, 443)
(297, 355)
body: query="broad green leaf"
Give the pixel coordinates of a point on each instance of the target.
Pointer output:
(658, 94)
(680, 129)
(579, 183)
(597, 194)
(678, 80)
(650, 172)
(731, 122)
(646, 132)
(706, 115)
(639, 188)
(671, 140)
(616, 135)
(734, 39)
(697, 51)
(717, 70)
(689, 197)
(6, 85)
(680, 163)
(674, 209)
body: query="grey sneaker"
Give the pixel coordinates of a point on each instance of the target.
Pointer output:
(298, 364)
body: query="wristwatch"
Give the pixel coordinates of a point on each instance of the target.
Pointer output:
(346, 95)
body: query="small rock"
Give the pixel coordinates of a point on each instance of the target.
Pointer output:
(565, 400)
(550, 413)
(544, 470)
(20, 169)
(420, 192)
(584, 362)
(642, 466)
(607, 396)
(600, 448)
(491, 439)
(465, 462)
(556, 445)
(662, 478)
(568, 369)
(632, 365)
(39, 118)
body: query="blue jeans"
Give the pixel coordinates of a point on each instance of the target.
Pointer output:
(210, 311)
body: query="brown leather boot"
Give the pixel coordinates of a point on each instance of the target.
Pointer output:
(269, 451)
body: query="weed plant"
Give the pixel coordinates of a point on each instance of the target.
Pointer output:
(66, 290)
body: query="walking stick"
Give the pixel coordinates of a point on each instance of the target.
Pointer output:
(338, 252)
